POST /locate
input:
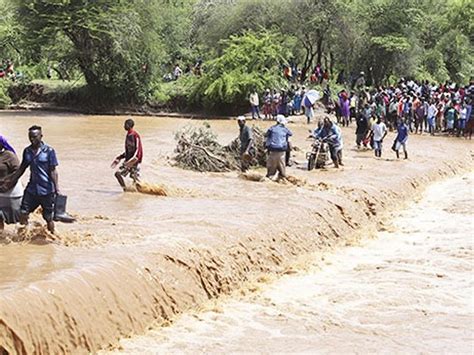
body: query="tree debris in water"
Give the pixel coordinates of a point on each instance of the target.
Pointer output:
(198, 149)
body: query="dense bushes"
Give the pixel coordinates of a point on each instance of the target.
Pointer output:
(4, 97)
(250, 61)
(122, 48)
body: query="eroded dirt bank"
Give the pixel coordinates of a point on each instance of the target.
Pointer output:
(133, 260)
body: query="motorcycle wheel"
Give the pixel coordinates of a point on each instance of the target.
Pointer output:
(311, 162)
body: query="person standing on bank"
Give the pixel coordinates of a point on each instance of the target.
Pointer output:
(133, 155)
(43, 185)
(246, 144)
(379, 131)
(401, 139)
(277, 142)
(10, 200)
(254, 104)
(361, 130)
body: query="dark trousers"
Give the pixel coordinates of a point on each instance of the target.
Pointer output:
(31, 202)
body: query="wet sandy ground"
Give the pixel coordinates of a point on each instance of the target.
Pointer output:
(408, 291)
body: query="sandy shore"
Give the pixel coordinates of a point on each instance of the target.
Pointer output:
(133, 260)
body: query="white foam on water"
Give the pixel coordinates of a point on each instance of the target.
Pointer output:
(406, 291)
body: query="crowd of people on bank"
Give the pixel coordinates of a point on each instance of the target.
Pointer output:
(409, 107)
(284, 102)
(425, 107)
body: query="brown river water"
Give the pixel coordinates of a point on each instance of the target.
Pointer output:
(411, 290)
(132, 258)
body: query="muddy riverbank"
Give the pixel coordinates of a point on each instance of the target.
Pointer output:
(134, 260)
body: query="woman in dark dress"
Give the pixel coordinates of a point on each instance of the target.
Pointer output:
(10, 200)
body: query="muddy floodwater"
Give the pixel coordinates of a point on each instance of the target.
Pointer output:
(409, 290)
(133, 260)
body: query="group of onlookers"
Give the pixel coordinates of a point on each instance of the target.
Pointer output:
(7, 70)
(423, 106)
(190, 69)
(408, 107)
(284, 102)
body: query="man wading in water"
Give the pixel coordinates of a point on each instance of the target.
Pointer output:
(247, 151)
(133, 155)
(43, 186)
(277, 142)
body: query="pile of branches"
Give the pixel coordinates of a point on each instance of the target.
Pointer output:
(198, 149)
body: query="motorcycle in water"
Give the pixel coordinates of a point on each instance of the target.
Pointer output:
(318, 156)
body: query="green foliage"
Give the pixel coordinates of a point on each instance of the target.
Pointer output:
(9, 34)
(4, 98)
(105, 38)
(457, 55)
(432, 67)
(176, 95)
(160, 96)
(123, 48)
(250, 61)
(391, 43)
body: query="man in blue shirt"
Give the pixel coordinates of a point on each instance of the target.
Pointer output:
(43, 185)
(277, 142)
(401, 139)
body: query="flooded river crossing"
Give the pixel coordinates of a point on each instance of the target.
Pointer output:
(133, 259)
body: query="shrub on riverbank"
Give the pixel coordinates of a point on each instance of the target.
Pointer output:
(5, 99)
(250, 61)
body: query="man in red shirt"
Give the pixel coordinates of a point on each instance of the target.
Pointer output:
(132, 156)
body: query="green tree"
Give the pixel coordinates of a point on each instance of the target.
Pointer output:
(250, 61)
(10, 46)
(106, 40)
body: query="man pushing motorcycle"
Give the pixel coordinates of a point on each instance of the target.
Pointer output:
(332, 134)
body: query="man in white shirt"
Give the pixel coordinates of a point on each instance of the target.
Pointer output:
(432, 112)
(379, 130)
(254, 104)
